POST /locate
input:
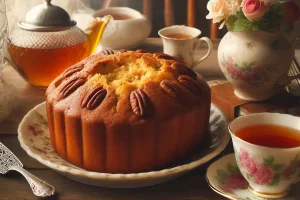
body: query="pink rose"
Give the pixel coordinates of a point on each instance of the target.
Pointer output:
(226, 189)
(288, 171)
(248, 163)
(247, 76)
(230, 61)
(233, 71)
(263, 175)
(257, 69)
(236, 180)
(254, 9)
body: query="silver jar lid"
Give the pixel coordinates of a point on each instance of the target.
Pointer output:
(47, 17)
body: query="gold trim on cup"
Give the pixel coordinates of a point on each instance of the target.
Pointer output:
(269, 195)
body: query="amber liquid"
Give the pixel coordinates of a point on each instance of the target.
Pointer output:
(120, 16)
(41, 66)
(179, 36)
(270, 136)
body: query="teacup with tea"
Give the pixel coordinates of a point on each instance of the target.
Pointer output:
(182, 42)
(267, 151)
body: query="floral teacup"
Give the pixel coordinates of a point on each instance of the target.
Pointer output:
(269, 171)
(184, 47)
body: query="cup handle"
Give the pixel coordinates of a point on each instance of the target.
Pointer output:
(210, 48)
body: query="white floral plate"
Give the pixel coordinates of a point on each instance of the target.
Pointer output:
(34, 139)
(224, 177)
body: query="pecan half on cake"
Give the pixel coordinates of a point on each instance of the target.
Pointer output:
(127, 112)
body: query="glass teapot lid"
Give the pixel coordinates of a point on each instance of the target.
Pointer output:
(47, 17)
(47, 26)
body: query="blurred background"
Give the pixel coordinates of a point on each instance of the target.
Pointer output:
(161, 12)
(179, 9)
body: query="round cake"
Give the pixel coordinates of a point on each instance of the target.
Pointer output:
(127, 112)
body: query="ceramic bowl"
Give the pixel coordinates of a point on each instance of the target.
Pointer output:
(126, 33)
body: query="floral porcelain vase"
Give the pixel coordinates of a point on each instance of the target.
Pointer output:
(254, 61)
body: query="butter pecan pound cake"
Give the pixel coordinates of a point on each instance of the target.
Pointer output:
(127, 112)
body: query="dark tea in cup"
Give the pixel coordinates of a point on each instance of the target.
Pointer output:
(270, 135)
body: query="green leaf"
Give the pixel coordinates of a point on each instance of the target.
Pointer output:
(269, 161)
(249, 68)
(247, 198)
(275, 180)
(277, 167)
(223, 174)
(230, 21)
(255, 26)
(242, 24)
(252, 63)
(272, 19)
(249, 176)
(232, 168)
(221, 180)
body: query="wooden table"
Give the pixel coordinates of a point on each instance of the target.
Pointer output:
(14, 187)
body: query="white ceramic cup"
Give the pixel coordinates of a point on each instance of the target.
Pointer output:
(184, 48)
(269, 171)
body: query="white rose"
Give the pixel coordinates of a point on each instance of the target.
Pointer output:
(218, 10)
(234, 6)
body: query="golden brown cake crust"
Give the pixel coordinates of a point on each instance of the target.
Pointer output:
(117, 109)
(112, 95)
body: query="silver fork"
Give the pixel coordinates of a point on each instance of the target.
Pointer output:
(8, 161)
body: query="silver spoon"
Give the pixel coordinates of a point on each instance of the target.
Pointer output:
(8, 161)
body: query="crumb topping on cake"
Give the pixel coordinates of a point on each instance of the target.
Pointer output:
(130, 73)
(113, 80)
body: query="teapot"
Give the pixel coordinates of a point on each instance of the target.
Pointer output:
(48, 41)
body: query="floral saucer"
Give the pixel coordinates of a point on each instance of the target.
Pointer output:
(34, 139)
(224, 177)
